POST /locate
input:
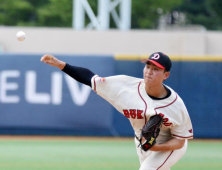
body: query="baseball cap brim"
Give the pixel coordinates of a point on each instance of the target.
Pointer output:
(152, 61)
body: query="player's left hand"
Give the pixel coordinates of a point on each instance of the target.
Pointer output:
(150, 132)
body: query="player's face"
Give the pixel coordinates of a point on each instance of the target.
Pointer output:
(154, 75)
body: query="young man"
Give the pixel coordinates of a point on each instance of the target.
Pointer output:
(139, 99)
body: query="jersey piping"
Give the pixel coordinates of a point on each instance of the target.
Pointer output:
(165, 160)
(183, 136)
(166, 105)
(143, 101)
(95, 83)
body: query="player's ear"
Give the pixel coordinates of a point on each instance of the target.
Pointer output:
(166, 75)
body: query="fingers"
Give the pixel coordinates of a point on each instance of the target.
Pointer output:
(47, 58)
(51, 60)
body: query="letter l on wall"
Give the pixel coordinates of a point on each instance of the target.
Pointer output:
(30, 91)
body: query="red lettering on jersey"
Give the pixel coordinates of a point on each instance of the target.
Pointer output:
(139, 114)
(133, 113)
(165, 120)
(161, 114)
(126, 113)
(167, 124)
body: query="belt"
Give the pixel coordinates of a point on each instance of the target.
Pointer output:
(137, 138)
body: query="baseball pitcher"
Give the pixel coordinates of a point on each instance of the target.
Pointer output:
(156, 112)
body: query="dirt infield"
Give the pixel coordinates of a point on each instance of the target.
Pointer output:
(83, 138)
(75, 138)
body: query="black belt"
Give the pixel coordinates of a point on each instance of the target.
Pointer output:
(137, 138)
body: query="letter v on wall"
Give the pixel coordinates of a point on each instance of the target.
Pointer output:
(79, 96)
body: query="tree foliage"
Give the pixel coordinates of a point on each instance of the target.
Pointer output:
(20, 12)
(145, 13)
(203, 12)
(56, 13)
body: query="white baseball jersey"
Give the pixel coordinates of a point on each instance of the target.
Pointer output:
(128, 96)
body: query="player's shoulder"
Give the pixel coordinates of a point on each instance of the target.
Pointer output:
(122, 79)
(175, 96)
(125, 78)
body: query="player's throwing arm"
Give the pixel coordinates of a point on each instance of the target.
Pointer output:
(161, 140)
(80, 74)
(51, 60)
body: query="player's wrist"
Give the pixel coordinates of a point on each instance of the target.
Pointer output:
(155, 147)
(61, 65)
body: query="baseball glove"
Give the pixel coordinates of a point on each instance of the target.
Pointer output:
(150, 132)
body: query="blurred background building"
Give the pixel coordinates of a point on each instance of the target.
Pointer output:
(109, 37)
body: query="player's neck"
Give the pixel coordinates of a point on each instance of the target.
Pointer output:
(156, 91)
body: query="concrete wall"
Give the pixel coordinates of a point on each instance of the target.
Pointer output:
(69, 41)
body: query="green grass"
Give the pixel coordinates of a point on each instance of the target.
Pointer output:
(201, 155)
(90, 154)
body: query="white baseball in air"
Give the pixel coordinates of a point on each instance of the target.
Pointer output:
(20, 36)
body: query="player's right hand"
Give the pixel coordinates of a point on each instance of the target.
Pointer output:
(53, 61)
